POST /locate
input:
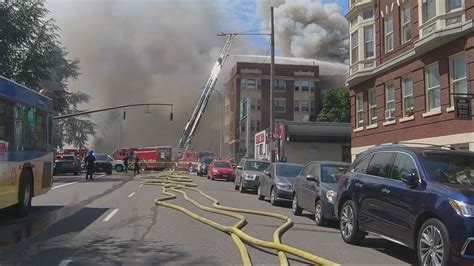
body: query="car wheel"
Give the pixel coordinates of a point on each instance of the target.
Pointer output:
(273, 199)
(241, 187)
(349, 225)
(295, 208)
(318, 214)
(25, 195)
(433, 245)
(119, 168)
(259, 193)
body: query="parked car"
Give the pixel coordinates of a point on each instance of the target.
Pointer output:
(103, 163)
(66, 164)
(277, 182)
(221, 169)
(420, 197)
(248, 173)
(315, 190)
(118, 165)
(203, 164)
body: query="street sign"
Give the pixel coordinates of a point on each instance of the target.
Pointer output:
(243, 109)
(462, 107)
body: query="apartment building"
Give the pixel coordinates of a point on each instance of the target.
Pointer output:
(297, 97)
(407, 58)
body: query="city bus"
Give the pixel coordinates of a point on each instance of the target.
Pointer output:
(26, 145)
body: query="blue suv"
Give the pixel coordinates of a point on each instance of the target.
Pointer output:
(418, 196)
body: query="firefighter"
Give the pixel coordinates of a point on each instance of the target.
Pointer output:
(90, 163)
(136, 170)
(125, 162)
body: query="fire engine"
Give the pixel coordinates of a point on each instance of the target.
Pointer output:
(158, 158)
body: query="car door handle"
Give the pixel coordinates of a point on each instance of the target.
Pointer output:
(384, 190)
(359, 185)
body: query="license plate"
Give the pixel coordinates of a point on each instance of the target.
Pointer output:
(224, 175)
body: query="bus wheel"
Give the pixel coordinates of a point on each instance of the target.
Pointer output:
(25, 194)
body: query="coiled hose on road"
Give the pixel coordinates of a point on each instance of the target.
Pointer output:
(177, 182)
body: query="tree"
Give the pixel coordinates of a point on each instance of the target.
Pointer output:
(31, 54)
(336, 106)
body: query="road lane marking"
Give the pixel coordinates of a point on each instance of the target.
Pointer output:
(65, 262)
(72, 183)
(67, 184)
(110, 215)
(131, 194)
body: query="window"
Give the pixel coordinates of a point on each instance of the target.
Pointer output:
(280, 105)
(454, 4)
(368, 41)
(405, 21)
(361, 167)
(367, 14)
(388, 31)
(304, 106)
(428, 9)
(354, 21)
(280, 85)
(354, 47)
(252, 125)
(403, 163)
(304, 85)
(7, 122)
(258, 125)
(432, 87)
(380, 164)
(313, 106)
(389, 101)
(360, 110)
(252, 103)
(259, 104)
(297, 106)
(372, 107)
(457, 74)
(259, 84)
(407, 97)
(251, 84)
(243, 83)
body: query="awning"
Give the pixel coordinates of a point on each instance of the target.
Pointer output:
(318, 132)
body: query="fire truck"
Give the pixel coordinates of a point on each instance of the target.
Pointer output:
(119, 154)
(190, 159)
(156, 158)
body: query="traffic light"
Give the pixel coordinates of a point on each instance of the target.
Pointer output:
(124, 115)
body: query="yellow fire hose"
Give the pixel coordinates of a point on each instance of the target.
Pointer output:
(176, 182)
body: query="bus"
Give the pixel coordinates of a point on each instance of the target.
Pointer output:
(26, 145)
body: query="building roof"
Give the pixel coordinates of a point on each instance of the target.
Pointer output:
(318, 132)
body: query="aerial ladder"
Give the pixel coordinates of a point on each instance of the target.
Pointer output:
(193, 121)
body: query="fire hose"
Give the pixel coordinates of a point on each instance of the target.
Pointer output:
(176, 182)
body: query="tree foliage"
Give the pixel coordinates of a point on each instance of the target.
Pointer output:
(31, 54)
(336, 106)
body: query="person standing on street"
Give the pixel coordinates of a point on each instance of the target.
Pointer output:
(136, 170)
(125, 162)
(90, 163)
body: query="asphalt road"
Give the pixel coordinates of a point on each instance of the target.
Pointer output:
(113, 220)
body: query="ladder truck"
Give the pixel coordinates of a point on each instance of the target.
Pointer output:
(193, 121)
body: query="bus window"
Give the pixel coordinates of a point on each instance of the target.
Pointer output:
(7, 121)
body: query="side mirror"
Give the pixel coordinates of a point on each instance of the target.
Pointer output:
(310, 178)
(239, 167)
(410, 179)
(267, 173)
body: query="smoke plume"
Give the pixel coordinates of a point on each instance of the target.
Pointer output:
(139, 52)
(308, 28)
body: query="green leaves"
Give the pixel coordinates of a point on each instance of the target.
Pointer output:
(31, 54)
(336, 106)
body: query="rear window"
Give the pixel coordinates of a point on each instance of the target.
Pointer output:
(222, 165)
(256, 165)
(288, 170)
(207, 160)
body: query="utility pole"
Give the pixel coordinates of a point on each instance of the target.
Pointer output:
(272, 74)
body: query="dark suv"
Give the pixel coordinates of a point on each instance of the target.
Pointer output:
(420, 197)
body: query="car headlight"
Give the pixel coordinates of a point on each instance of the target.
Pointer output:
(215, 171)
(331, 195)
(250, 177)
(462, 208)
(283, 186)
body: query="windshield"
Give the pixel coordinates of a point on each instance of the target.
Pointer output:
(332, 173)
(449, 168)
(222, 165)
(288, 170)
(207, 160)
(101, 157)
(256, 165)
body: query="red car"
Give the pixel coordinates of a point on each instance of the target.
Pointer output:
(221, 169)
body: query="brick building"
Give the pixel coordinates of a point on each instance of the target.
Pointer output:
(407, 57)
(297, 97)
